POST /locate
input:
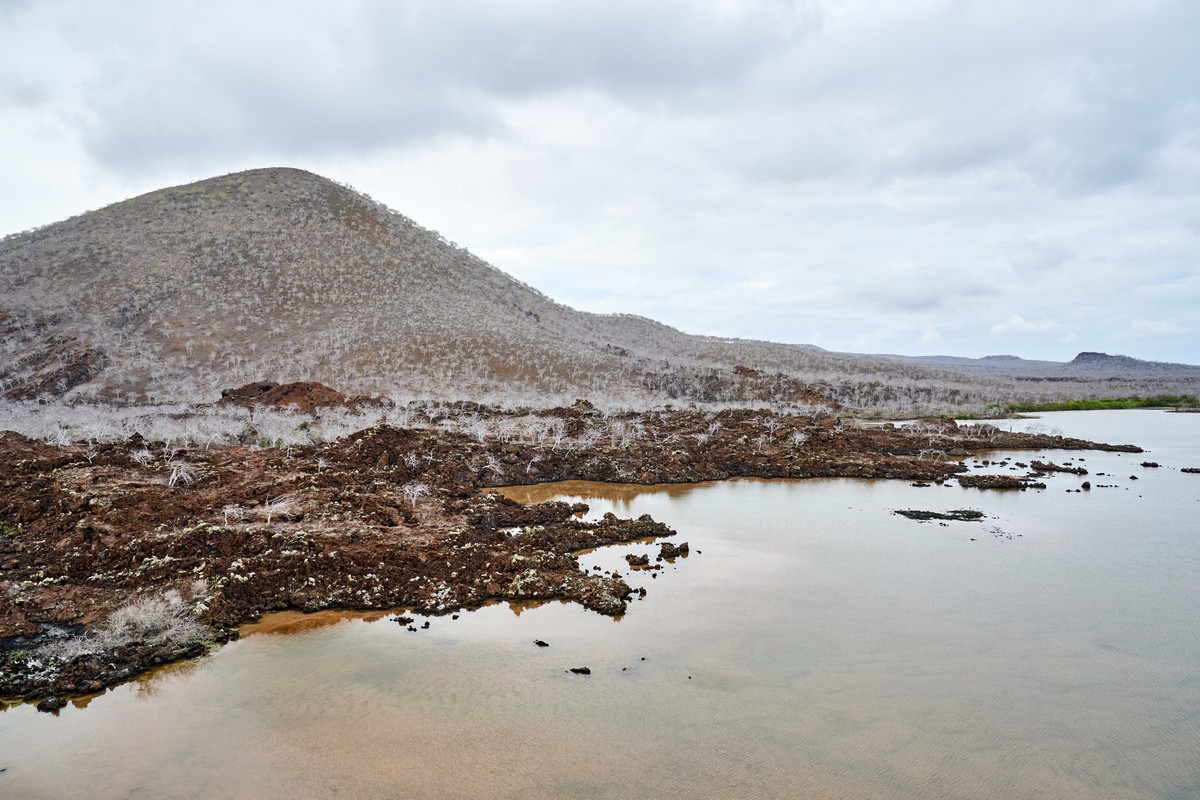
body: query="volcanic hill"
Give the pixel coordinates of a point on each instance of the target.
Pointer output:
(282, 275)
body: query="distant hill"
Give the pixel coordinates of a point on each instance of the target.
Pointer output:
(1085, 365)
(1104, 364)
(998, 365)
(280, 274)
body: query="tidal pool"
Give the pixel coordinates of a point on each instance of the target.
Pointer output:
(812, 645)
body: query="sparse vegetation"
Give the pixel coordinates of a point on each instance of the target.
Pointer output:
(149, 630)
(147, 621)
(282, 275)
(182, 473)
(281, 506)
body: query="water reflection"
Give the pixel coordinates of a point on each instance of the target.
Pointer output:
(621, 495)
(293, 622)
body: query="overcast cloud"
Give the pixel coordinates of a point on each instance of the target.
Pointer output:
(931, 176)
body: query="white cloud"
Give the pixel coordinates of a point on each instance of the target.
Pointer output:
(1016, 324)
(1145, 328)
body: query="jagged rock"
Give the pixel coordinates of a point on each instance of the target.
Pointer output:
(51, 704)
(1050, 466)
(669, 551)
(961, 515)
(998, 482)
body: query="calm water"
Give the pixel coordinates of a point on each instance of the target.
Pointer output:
(813, 646)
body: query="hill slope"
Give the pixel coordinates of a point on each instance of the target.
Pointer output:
(283, 275)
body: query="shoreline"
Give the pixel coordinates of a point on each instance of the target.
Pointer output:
(384, 518)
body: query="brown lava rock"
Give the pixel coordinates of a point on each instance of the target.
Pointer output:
(669, 551)
(303, 397)
(88, 529)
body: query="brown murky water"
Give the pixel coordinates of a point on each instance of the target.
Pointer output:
(813, 645)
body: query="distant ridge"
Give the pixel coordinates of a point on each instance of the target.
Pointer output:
(278, 274)
(1086, 364)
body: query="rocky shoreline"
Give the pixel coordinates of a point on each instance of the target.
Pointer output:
(385, 518)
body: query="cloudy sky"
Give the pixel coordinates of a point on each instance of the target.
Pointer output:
(907, 176)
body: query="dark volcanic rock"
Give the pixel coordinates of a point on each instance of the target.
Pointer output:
(248, 393)
(998, 482)
(51, 704)
(1050, 466)
(961, 515)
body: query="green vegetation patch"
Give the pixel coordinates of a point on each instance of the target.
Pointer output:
(1158, 401)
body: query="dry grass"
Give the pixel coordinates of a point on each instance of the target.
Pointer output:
(164, 620)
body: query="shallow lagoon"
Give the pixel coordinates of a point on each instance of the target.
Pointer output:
(813, 645)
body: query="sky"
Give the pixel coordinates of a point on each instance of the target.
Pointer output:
(901, 176)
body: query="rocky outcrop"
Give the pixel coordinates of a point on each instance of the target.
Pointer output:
(999, 482)
(303, 397)
(961, 515)
(1050, 466)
